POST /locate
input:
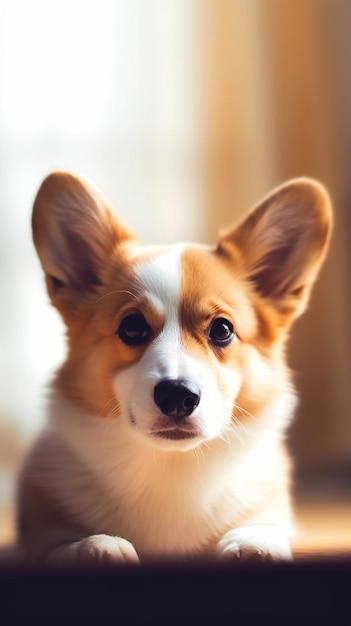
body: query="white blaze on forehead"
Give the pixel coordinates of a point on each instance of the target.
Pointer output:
(161, 279)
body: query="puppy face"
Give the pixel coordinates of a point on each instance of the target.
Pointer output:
(179, 392)
(181, 344)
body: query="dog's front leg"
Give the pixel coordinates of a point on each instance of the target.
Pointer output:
(94, 550)
(257, 541)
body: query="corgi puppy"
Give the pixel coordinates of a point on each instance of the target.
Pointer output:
(166, 422)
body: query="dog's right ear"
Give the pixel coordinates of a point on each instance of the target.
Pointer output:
(282, 244)
(74, 233)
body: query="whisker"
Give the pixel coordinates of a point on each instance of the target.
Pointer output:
(243, 270)
(237, 425)
(222, 436)
(245, 412)
(200, 450)
(112, 293)
(195, 454)
(110, 409)
(156, 459)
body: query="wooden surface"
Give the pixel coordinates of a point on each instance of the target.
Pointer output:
(322, 528)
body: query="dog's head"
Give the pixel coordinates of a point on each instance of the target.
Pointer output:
(182, 343)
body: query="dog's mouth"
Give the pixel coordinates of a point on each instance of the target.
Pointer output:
(169, 431)
(175, 433)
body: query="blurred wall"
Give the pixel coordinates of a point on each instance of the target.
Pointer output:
(277, 97)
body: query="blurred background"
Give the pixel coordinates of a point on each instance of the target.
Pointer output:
(184, 112)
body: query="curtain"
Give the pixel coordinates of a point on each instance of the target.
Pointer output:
(277, 102)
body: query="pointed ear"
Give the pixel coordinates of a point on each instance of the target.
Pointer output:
(74, 233)
(283, 242)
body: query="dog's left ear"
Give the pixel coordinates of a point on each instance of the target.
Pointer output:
(75, 234)
(282, 243)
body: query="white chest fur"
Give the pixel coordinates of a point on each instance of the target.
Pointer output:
(163, 502)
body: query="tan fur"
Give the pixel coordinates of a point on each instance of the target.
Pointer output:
(105, 480)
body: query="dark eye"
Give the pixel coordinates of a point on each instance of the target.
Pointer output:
(134, 330)
(221, 332)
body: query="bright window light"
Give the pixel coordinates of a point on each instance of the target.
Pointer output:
(55, 64)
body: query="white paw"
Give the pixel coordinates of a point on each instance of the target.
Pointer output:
(95, 550)
(261, 543)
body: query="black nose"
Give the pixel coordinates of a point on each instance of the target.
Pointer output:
(177, 397)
